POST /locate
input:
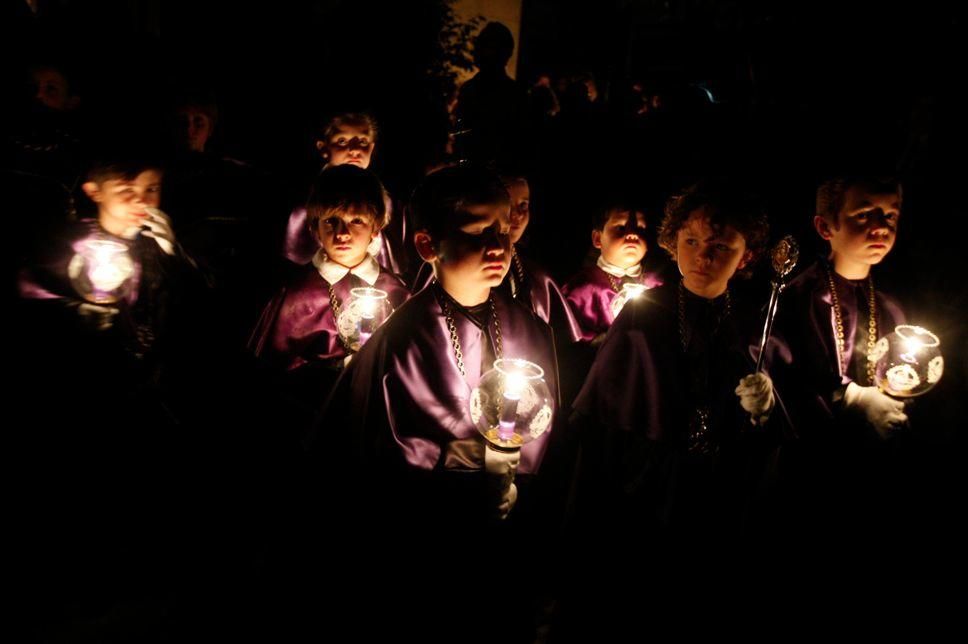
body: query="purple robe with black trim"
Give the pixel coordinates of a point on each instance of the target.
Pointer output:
(297, 326)
(590, 295)
(836, 474)
(400, 411)
(802, 353)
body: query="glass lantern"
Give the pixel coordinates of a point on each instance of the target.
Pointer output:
(366, 310)
(630, 291)
(512, 405)
(101, 270)
(908, 362)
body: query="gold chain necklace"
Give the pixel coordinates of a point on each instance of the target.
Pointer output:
(334, 307)
(455, 339)
(843, 360)
(615, 282)
(517, 272)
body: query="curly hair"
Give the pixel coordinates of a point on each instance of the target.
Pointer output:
(724, 206)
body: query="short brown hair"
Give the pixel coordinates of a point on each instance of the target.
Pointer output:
(832, 193)
(345, 188)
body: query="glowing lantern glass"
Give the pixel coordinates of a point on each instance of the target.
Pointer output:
(908, 362)
(629, 291)
(366, 310)
(512, 405)
(101, 271)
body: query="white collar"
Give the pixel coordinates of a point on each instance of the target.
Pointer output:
(375, 246)
(615, 271)
(368, 270)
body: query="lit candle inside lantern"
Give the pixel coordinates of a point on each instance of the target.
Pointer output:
(514, 384)
(630, 291)
(371, 304)
(101, 269)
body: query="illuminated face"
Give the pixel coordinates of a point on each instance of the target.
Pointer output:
(345, 235)
(709, 258)
(349, 144)
(51, 89)
(520, 208)
(477, 252)
(622, 240)
(194, 128)
(121, 203)
(867, 226)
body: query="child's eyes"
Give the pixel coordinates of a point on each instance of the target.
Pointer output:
(691, 242)
(722, 247)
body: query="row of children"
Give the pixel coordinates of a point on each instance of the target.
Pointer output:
(673, 432)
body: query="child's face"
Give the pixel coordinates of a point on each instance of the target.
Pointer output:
(708, 259)
(194, 128)
(51, 89)
(121, 203)
(520, 208)
(867, 226)
(345, 236)
(476, 253)
(622, 240)
(349, 144)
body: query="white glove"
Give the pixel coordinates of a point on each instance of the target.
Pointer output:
(883, 412)
(755, 393)
(499, 467)
(159, 229)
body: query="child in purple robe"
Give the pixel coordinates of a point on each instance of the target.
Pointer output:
(618, 231)
(396, 441)
(298, 331)
(672, 423)
(348, 139)
(840, 465)
(526, 280)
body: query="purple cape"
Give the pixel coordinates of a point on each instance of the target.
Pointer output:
(802, 354)
(297, 326)
(590, 295)
(405, 400)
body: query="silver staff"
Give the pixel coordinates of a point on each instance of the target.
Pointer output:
(784, 256)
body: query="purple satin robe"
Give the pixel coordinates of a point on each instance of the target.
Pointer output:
(297, 326)
(405, 398)
(590, 294)
(802, 353)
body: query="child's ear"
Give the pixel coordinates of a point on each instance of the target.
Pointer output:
(92, 190)
(425, 246)
(823, 227)
(597, 238)
(747, 257)
(321, 146)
